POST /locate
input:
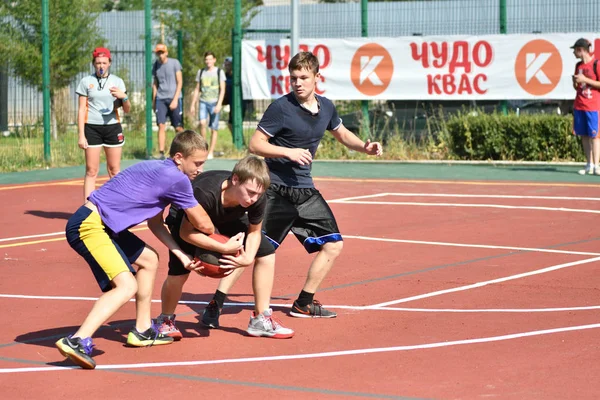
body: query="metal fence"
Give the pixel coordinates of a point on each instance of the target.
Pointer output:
(421, 18)
(21, 105)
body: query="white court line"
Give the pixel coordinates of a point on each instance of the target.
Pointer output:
(338, 307)
(41, 235)
(483, 310)
(315, 355)
(485, 283)
(480, 196)
(366, 196)
(467, 245)
(412, 203)
(479, 246)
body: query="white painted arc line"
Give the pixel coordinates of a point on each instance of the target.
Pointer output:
(339, 307)
(411, 203)
(481, 246)
(482, 310)
(489, 196)
(316, 355)
(485, 283)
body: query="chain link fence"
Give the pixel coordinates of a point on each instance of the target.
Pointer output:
(21, 108)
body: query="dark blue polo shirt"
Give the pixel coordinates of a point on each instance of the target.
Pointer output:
(290, 125)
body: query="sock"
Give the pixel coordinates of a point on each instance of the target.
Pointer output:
(305, 298)
(162, 317)
(219, 298)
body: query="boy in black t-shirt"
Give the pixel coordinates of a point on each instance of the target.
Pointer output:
(227, 197)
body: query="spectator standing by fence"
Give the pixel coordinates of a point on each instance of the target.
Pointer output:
(587, 105)
(100, 96)
(210, 86)
(166, 94)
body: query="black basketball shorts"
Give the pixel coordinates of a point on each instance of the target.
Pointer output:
(304, 212)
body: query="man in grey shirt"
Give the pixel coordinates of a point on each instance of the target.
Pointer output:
(166, 93)
(210, 86)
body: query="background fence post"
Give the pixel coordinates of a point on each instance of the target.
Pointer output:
(148, 51)
(3, 97)
(364, 32)
(236, 100)
(503, 103)
(46, 77)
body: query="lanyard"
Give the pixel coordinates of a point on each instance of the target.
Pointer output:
(100, 85)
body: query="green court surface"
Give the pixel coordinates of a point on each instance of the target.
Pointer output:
(372, 170)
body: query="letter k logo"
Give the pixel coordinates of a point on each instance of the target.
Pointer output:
(372, 69)
(535, 63)
(538, 67)
(367, 69)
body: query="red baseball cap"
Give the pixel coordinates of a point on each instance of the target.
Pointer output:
(101, 51)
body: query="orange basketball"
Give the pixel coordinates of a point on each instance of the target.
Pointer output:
(209, 260)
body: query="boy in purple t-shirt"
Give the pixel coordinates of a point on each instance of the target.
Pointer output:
(99, 232)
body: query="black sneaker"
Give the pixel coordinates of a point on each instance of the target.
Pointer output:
(150, 337)
(77, 350)
(211, 314)
(314, 310)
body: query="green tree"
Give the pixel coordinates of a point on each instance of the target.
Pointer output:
(123, 5)
(206, 26)
(73, 34)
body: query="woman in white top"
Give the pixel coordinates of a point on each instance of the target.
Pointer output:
(100, 96)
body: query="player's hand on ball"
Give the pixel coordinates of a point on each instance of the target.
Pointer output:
(229, 261)
(301, 156)
(190, 263)
(235, 244)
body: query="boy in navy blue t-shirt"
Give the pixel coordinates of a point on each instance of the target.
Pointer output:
(288, 136)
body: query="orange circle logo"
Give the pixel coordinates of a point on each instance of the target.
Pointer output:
(371, 69)
(538, 67)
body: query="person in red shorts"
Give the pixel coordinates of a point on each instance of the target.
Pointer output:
(587, 105)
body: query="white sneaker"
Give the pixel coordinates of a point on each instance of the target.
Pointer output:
(267, 326)
(210, 156)
(589, 170)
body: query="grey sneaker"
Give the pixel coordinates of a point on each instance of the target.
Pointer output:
(266, 325)
(314, 310)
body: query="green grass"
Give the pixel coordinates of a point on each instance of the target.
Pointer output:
(24, 150)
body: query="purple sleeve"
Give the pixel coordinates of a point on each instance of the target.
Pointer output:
(181, 194)
(272, 121)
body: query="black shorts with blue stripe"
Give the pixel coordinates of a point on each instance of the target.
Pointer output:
(304, 212)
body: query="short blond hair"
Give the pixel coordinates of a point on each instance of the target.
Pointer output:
(186, 143)
(252, 167)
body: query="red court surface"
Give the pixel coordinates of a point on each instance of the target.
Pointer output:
(449, 290)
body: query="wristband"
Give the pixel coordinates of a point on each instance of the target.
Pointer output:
(125, 99)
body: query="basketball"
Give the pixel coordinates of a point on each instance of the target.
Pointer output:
(210, 259)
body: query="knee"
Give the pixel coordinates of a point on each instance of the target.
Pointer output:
(202, 123)
(333, 249)
(113, 170)
(148, 260)
(126, 284)
(176, 281)
(91, 172)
